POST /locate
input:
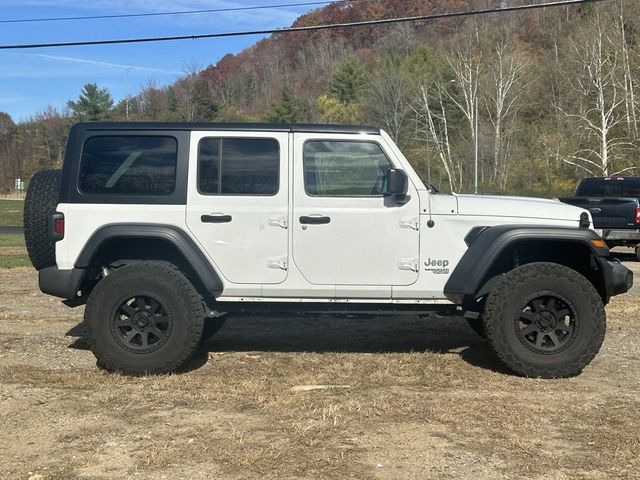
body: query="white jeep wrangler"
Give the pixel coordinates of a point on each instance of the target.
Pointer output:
(159, 226)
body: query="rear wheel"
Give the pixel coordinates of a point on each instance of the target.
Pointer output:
(637, 252)
(144, 318)
(545, 320)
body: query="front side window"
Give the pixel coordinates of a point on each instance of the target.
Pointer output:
(238, 166)
(129, 165)
(344, 168)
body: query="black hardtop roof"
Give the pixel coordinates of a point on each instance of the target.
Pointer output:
(225, 127)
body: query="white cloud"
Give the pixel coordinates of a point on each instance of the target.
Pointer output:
(108, 65)
(4, 100)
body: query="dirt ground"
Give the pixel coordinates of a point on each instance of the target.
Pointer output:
(311, 397)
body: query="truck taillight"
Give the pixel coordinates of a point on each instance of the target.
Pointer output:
(638, 214)
(58, 226)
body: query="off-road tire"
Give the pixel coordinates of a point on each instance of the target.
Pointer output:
(505, 300)
(40, 203)
(637, 252)
(180, 301)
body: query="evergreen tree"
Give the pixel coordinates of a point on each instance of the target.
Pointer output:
(93, 104)
(348, 82)
(287, 110)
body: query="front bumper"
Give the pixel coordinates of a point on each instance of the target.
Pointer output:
(618, 279)
(60, 283)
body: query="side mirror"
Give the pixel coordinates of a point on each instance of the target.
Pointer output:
(397, 182)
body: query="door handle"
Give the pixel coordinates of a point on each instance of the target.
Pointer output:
(315, 220)
(218, 218)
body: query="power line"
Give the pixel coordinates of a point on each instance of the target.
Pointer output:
(310, 28)
(182, 12)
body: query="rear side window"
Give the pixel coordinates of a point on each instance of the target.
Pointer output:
(598, 187)
(238, 166)
(129, 165)
(344, 169)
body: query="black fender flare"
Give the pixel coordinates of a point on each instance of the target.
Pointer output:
(197, 260)
(486, 246)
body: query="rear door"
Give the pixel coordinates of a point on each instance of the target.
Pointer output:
(237, 204)
(346, 232)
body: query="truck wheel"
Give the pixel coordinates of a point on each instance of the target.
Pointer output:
(637, 252)
(144, 318)
(545, 320)
(41, 202)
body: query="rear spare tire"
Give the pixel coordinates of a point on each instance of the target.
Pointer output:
(41, 202)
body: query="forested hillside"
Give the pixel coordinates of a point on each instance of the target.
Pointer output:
(550, 96)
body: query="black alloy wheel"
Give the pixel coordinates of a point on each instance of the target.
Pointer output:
(141, 324)
(546, 323)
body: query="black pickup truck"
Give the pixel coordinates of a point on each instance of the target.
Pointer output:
(614, 203)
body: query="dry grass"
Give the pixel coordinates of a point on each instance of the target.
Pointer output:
(404, 398)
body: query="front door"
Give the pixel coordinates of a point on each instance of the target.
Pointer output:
(345, 230)
(238, 203)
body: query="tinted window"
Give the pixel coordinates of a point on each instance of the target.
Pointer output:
(598, 187)
(238, 166)
(345, 168)
(129, 165)
(209, 166)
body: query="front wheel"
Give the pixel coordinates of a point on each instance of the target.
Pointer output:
(144, 318)
(545, 320)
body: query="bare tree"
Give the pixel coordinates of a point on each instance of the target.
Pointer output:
(388, 99)
(629, 82)
(507, 73)
(466, 65)
(600, 101)
(432, 117)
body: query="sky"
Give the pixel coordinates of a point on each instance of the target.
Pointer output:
(30, 80)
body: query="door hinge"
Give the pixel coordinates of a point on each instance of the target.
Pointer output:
(278, 222)
(412, 223)
(277, 262)
(410, 264)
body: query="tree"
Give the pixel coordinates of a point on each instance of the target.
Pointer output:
(507, 70)
(7, 135)
(598, 110)
(348, 82)
(332, 110)
(194, 97)
(466, 64)
(93, 104)
(287, 109)
(388, 100)
(432, 116)
(630, 82)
